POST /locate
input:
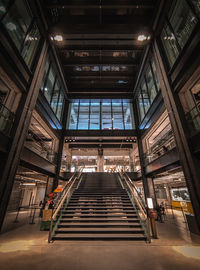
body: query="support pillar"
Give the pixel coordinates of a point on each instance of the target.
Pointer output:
(19, 131)
(190, 163)
(141, 153)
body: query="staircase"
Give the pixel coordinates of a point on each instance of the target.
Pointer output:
(100, 209)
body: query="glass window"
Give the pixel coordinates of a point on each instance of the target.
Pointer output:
(128, 115)
(155, 74)
(73, 109)
(3, 7)
(150, 85)
(60, 106)
(141, 107)
(170, 45)
(182, 21)
(196, 4)
(30, 45)
(45, 74)
(83, 120)
(17, 21)
(55, 97)
(145, 96)
(176, 32)
(48, 89)
(118, 122)
(106, 114)
(24, 33)
(95, 114)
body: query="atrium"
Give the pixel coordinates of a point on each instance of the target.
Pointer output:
(99, 134)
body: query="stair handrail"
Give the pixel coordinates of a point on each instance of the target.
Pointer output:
(140, 203)
(65, 193)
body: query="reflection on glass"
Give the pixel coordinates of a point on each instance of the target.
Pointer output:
(177, 30)
(106, 114)
(24, 34)
(60, 106)
(49, 85)
(3, 7)
(150, 85)
(55, 97)
(145, 96)
(117, 115)
(98, 114)
(83, 114)
(128, 115)
(95, 114)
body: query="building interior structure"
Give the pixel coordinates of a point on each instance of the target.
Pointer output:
(100, 98)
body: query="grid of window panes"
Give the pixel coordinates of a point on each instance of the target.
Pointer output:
(148, 89)
(180, 23)
(100, 114)
(20, 25)
(52, 88)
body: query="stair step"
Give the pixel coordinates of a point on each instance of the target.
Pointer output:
(98, 207)
(99, 215)
(100, 230)
(98, 211)
(98, 201)
(108, 237)
(101, 225)
(110, 220)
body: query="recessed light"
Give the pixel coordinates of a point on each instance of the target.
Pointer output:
(58, 38)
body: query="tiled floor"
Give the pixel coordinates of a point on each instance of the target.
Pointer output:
(26, 248)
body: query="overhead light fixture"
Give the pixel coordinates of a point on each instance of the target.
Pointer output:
(28, 184)
(143, 37)
(58, 38)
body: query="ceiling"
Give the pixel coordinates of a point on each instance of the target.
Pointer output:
(100, 51)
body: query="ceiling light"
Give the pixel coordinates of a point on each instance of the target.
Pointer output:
(143, 37)
(58, 38)
(28, 184)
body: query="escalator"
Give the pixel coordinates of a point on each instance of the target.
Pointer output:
(100, 208)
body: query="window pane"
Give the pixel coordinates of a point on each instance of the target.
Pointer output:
(3, 7)
(145, 96)
(45, 74)
(83, 120)
(151, 85)
(17, 22)
(155, 74)
(73, 114)
(60, 106)
(30, 45)
(49, 85)
(55, 97)
(141, 107)
(196, 4)
(170, 45)
(117, 114)
(182, 21)
(128, 114)
(95, 114)
(106, 114)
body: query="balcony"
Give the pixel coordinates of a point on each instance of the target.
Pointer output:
(160, 148)
(39, 146)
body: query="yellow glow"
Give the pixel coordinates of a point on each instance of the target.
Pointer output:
(13, 246)
(189, 251)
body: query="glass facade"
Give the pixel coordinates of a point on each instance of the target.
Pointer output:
(51, 87)
(180, 23)
(148, 89)
(21, 27)
(100, 114)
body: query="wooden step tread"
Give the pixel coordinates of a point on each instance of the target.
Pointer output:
(109, 237)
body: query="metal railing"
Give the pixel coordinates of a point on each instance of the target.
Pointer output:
(161, 147)
(6, 120)
(64, 196)
(138, 203)
(37, 145)
(193, 120)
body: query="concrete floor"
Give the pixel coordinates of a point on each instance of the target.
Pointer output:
(26, 248)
